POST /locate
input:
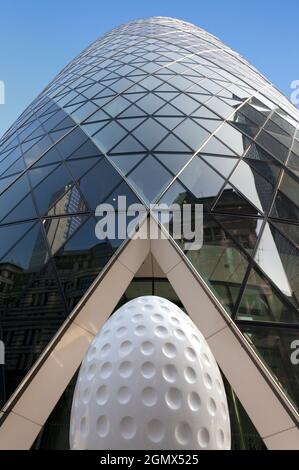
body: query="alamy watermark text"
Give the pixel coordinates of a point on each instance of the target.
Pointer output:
(186, 222)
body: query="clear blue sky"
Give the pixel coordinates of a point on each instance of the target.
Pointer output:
(39, 37)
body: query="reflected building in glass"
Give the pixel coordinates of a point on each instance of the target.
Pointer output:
(156, 110)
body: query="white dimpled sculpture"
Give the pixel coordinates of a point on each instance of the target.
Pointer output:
(149, 381)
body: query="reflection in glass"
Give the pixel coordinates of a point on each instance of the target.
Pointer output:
(203, 182)
(31, 308)
(150, 178)
(220, 262)
(253, 186)
(245, 230)
(279, 259)
(81, 259)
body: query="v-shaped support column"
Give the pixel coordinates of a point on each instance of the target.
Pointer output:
(26, 412)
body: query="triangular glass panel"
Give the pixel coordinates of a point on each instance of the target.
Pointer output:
(128, 145)
(133, 97)
(233, 138)
(176, 194)
(99, 116)
(52, 156)
(290, 231)
(8, 160)
(5, 182)
(180, 82)
(289, 186)
(272, 145)
(109, 136)
(25, 210)
(100, 102)
(232, 202)
(170, 122)
(92, 128)
(94, 254)
(10, 234)
(150, 67)
(284, 208)
(150, 133)
(279, 259)
(293, 164)
(121, 85)
(150, 103)
(60, 229)
(172, 144)
(234, 103)
(192, 134)
(224, 165)
(58, 134)
(126, 162)
(203, 182)
(173, 161)
(150, 83)
(37, 133)
(11, 197)
(52, 189)
(71, 143)
(261, 303)
(167, 96)
(69, 203)
(66, 123)
(116, 106)
(78, 168)
(37, 150)
(99, 182)
(245, 125)
(169, 110)
(150, 179)
(72, 109)
(255, 188)
(130, 123)
(88, 149)
(30, 253)
(209, 124)
(245, 230)
(255, 152)
(132, 111)
(36, 175)
(83, 112)
(185, 104)
(270, 171)
(122, 190)
(17, 167)
(201, 98)
(221, 262)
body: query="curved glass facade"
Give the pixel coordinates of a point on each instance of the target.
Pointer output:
(157, 110)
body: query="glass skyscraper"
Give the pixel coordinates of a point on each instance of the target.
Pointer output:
(159, 111)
